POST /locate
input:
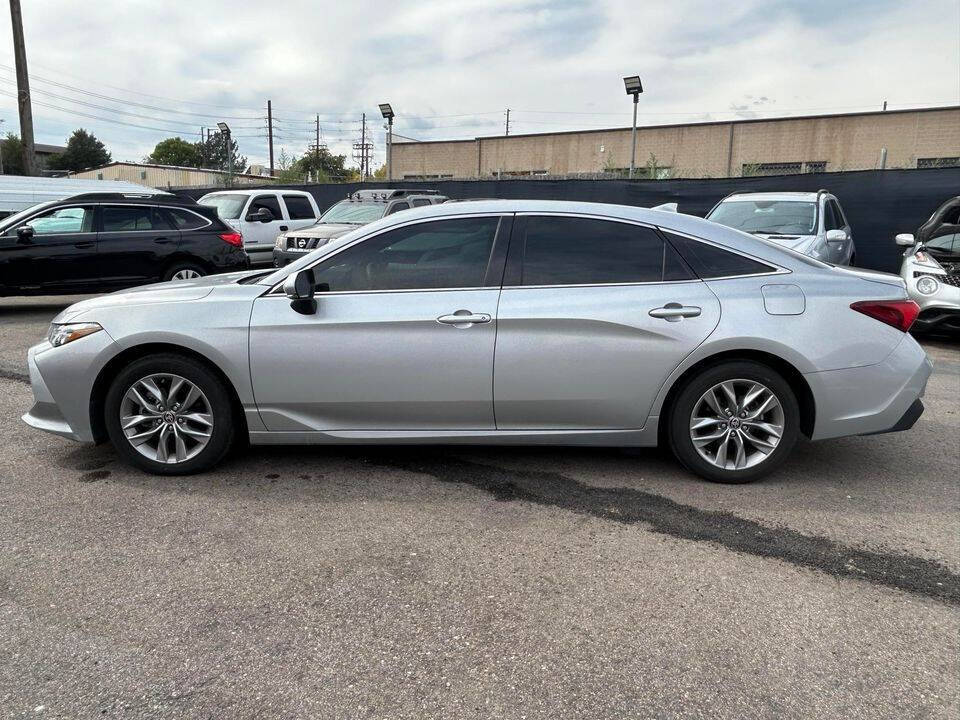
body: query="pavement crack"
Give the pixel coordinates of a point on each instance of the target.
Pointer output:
(14, 375)
(663, 515)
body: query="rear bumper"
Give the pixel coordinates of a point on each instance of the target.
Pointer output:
(873, 399)
(908, 420)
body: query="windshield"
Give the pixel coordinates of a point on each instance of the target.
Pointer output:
(228, 207)
(14, 220)
(780, 217)
(353, 213)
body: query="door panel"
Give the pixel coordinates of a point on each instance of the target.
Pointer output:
(259, 237)
(591, 357)
(61, 255)
(135, 244)
(377, 360)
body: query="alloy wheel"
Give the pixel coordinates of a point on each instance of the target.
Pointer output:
(185, 274)
(737, 424)
(166, 418)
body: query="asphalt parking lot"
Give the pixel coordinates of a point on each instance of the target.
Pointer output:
(481, 582)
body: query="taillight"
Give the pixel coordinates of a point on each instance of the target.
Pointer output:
(233, 238)
(897, 313)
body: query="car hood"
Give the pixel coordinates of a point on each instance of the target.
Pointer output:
(323, 230)
(800, 243)
(172, 291)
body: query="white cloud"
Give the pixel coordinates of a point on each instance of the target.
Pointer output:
(698, 59)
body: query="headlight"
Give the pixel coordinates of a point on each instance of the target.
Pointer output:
(927, 285)
(280, 242)
(62, 334)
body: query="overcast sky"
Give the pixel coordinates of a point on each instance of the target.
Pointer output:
(451, 67)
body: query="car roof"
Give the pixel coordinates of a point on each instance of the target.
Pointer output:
(782, 196)
(253, 191)
(131, 197)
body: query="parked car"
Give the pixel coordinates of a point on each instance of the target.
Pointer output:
(810, 223)
(360, 207)
(931, 268)
(261, 215)
(498, 322)
(99, 242)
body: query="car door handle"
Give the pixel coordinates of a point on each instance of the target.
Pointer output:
(673, 312)
(463, 318)
(284, 228)
(85, 245)
(162, 241)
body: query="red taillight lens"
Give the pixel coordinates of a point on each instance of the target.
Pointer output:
(898, 313)
(234, 238)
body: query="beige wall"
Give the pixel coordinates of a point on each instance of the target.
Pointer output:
(850, 142)
(160, 177)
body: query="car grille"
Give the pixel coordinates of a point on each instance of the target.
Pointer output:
(301, 243)
(946, 279)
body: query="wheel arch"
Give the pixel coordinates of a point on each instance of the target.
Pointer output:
(799, 385)
(101, 385)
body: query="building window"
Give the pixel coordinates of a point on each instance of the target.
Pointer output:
(940, 162)
(143, 174)
(819, 166)
(99, 176)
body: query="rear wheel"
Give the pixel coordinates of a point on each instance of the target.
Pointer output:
(169, 415)
(184, 271)
(734, 422)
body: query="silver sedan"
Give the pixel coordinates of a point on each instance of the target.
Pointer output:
(493, 322)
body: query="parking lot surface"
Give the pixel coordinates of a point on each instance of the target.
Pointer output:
(480, 582)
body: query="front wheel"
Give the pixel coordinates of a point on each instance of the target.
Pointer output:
(169, 415)
(734, 422)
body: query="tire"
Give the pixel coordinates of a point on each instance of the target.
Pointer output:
(185, 430)
(755, 435)
(186, 270)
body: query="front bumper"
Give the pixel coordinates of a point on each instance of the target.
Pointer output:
(282, 257)
(871, 399)
(259, 254)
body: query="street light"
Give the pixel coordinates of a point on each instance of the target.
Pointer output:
(387, 113)
(634, 87)
(225, 129)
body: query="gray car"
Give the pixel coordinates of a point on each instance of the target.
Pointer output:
(495, 322)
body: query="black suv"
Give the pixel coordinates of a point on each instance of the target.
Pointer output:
(97, 242)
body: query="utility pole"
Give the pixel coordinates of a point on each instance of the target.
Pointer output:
(363, 147)
(1, 152)
(23, 89)
(508, 122)
(270, 133)
(317, 146)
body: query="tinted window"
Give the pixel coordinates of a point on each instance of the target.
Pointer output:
(442, 254)
(829, 219)
(266, 201)
(947, 243)
(398, 207)
(185, 220)
(130, 218)
(298, 207)
(578, 251)
(837, 214)
(709, 261)
(420, 202)
(63, 220)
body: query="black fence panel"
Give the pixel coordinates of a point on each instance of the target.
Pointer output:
(878, 203)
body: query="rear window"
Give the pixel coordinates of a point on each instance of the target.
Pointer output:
(709, 261)
(299, 207)
(185, 220)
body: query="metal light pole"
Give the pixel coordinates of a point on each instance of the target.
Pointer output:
(229, 147)
(387, 113)
(1, 150)
(633, 87)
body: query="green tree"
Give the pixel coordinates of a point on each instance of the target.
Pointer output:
(11, 150)
(380, 173)
(214, 154)
(83, 151)
(322, 166)
(175, 151)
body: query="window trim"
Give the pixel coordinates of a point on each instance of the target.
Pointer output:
(504, 225)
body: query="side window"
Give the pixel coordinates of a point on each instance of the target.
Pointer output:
(420, 202)
(298, 207)
(398, 207)
(947, 243)
(441, 254)
(838, 214)
(184, 219)
(269, 202)
(162, 220)
(63, 220)
(829, 219)
(127, 218)
(709, 261)
(580, 251)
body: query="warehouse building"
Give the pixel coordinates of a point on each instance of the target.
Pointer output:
(168, 176)
(780, 146)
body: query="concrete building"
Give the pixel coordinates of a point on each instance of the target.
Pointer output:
(166, 176)
(780, 146)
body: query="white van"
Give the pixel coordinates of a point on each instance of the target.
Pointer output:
(19, 192)
(261, 215)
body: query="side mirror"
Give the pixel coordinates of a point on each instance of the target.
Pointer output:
(836, 236)
(263, 215)
(299, 288)
(24, 234)
(905, 239)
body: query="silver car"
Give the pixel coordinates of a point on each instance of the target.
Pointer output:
(495, 322)
(811, 223)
